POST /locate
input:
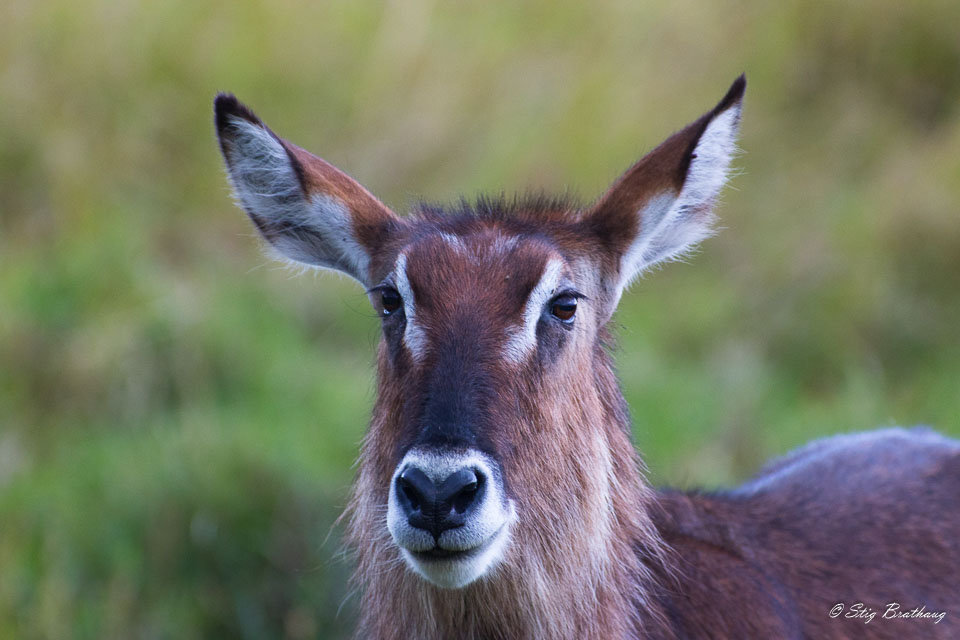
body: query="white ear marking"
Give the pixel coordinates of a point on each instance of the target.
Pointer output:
(317, 232)
(710, 166)
(259, 169)
(672, 225)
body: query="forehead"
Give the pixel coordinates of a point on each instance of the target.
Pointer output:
(444, 265)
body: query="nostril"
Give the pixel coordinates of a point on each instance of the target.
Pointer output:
(409, 493)
(460, 490)
(464, 498)
(414, 485)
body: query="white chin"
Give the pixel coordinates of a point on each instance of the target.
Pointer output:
(459, 570)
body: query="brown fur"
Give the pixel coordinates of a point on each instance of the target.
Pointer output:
(644, 564)
(596, 553)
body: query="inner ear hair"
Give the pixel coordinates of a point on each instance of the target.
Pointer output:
(662, 207)
(310, 212)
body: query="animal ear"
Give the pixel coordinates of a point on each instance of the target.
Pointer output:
(308, 210)
(662, 206)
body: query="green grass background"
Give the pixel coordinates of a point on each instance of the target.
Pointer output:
(179, 415)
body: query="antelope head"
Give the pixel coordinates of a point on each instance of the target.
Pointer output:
(499, 447)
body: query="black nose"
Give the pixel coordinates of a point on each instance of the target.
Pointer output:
(437, 508)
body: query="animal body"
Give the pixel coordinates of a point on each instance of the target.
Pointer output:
(499, 494)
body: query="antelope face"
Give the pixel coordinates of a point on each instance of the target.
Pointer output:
(488, 432)
(472, 320)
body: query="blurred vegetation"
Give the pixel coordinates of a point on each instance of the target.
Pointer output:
(178, 415)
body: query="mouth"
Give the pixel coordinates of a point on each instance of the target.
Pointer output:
(455, 568)
(438, 554)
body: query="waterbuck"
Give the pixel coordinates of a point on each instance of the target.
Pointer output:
(499, 494)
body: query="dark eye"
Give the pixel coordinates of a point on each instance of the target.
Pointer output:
(564, 308)
(390, 300)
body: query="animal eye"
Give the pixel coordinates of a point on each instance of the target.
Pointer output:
(390, 300)
(564, 308)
